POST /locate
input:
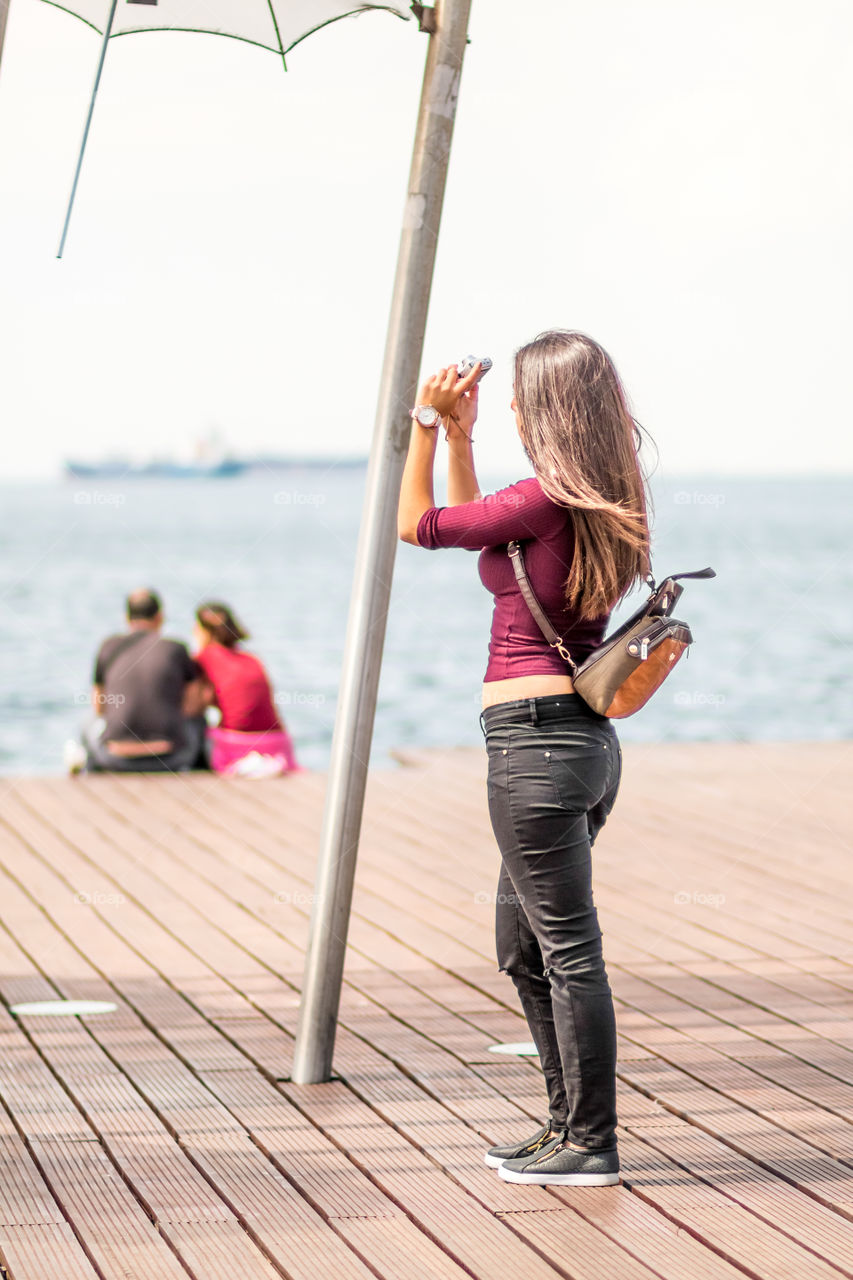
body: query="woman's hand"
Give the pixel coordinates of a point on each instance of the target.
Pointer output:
(461, 421)
(454, 397)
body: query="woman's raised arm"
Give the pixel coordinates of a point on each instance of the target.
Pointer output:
(416, 487)
(444, 392)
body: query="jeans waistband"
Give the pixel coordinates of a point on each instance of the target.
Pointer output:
(551, 707)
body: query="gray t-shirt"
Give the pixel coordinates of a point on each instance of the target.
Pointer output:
(143, 677)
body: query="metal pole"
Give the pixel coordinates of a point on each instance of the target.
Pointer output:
(107, 34)
(4, 13)
(321, 990)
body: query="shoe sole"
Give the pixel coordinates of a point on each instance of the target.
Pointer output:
(560, 1179)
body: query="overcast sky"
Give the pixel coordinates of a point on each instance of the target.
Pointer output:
(673, 178)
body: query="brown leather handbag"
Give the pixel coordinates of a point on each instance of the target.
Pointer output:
(620, 676)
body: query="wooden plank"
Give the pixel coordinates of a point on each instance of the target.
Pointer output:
(152, 1169)
(186, 901)
(713, 1197)
(471, 1234)
(815, 1226)
(168, 1185)
(664, 1246)
(219, 1251)
(718, 1221)
(45, 1251)
(120, 1237)
(25, 1198)
(747, 1080)
(818, 1068)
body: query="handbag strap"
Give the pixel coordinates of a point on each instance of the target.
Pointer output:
(544, 624)
(532, 602)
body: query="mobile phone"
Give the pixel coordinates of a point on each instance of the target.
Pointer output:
(465, 366)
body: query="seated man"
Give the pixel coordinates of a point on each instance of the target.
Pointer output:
(148, 691)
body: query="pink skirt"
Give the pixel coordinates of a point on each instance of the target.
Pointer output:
(258, 755)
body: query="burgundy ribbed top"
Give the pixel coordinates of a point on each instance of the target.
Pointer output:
(524, 513)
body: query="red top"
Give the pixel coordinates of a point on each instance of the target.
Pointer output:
(242, 689)
(520, 512)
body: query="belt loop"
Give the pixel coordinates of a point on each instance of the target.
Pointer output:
(482, 725)
(531, 702)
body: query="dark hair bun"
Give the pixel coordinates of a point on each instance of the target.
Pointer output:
(219, 621)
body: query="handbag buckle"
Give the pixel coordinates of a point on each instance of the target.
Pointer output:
(565, 655)
(639, 648)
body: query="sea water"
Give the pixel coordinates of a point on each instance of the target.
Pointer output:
(773, 632)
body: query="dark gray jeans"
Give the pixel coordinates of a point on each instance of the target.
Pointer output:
(554, 771)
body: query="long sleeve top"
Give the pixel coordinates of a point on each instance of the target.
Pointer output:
(521, 512)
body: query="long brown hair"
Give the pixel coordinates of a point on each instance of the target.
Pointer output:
(579, 435)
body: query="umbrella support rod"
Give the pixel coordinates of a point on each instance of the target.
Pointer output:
(371, 588)
(4, 14)
(107, 34)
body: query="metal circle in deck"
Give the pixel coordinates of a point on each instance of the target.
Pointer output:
(61, 1008)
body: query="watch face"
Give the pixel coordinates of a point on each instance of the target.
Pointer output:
(427, 415)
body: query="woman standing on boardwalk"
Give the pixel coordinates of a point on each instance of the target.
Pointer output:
(554, 763)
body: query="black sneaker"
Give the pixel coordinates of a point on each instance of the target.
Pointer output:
(562, 1165)
(541, 1141)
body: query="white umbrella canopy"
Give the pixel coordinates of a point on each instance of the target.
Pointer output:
(277, 25)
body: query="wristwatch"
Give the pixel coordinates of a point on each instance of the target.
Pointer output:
(426, 414)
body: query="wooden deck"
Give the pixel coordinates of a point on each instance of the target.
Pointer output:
(165, 1140)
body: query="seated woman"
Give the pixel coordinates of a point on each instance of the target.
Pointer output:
(249, 740)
